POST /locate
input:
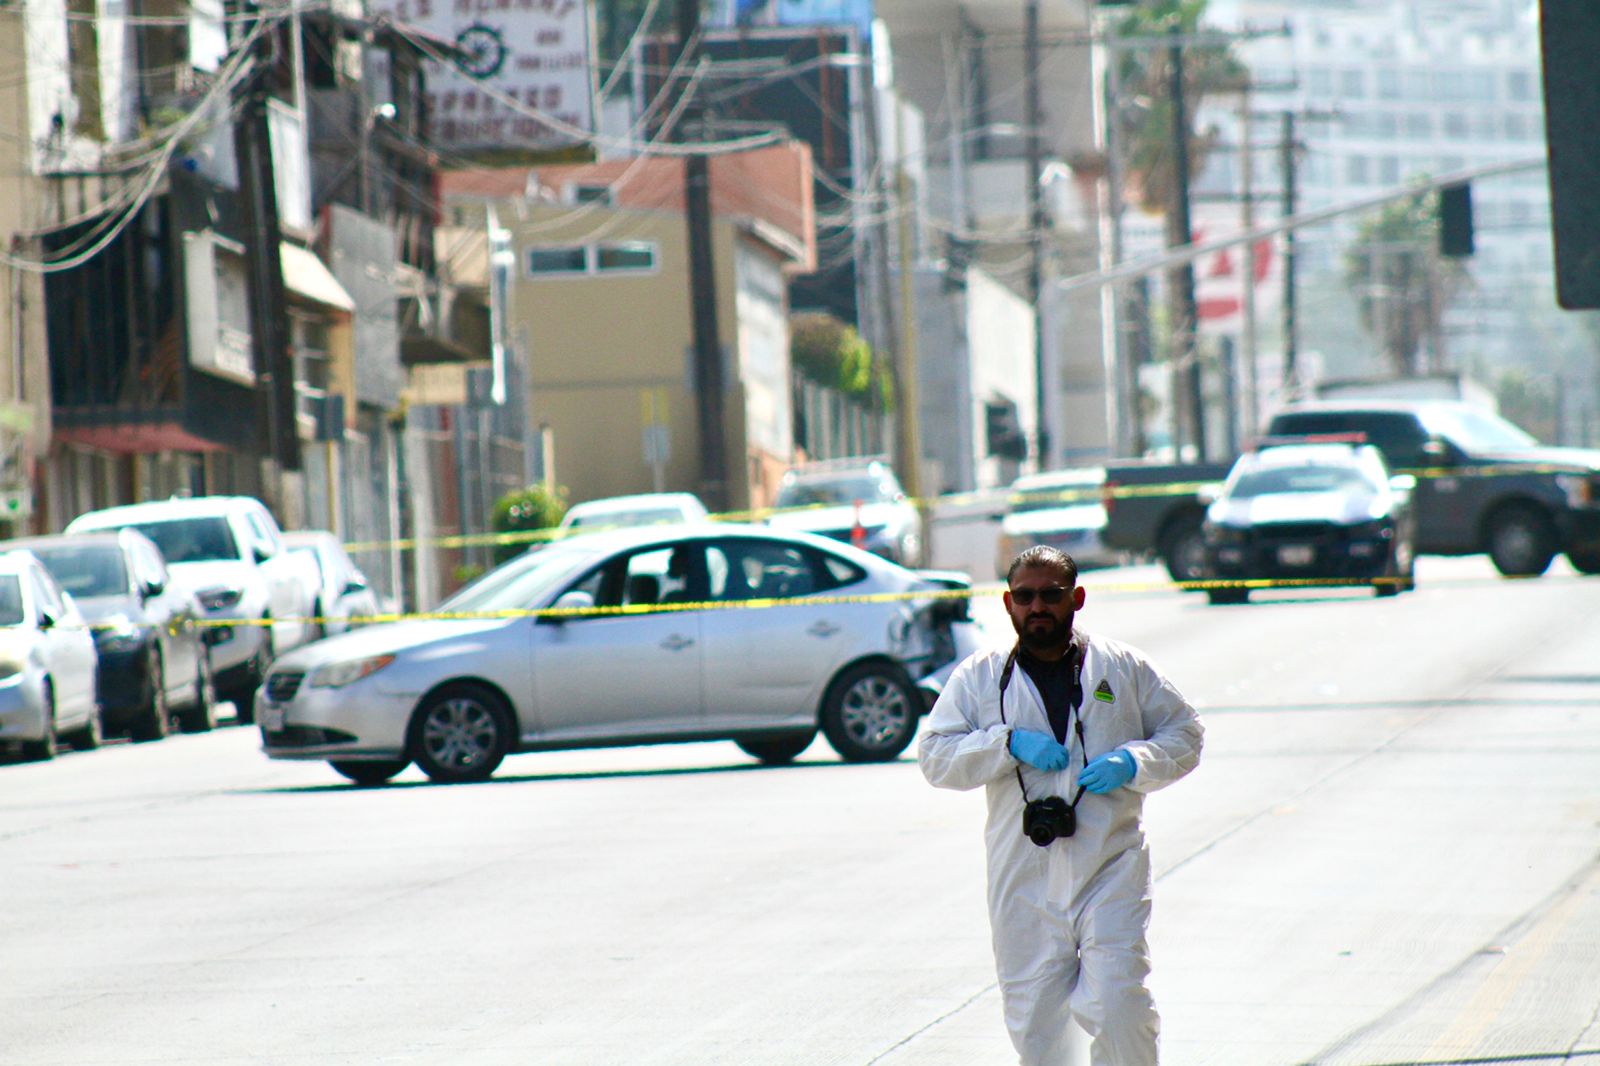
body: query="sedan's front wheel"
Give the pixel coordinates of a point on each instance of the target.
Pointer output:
(779, 750)
(870, 713)
(460, 733)
(369, 773)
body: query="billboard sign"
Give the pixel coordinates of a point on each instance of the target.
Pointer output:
(533, 52)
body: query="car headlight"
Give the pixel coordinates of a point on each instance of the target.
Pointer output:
(118, 633)
(219, 598)
(338, 675)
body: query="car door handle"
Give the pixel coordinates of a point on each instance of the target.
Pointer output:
(822, 629)
(676, 642)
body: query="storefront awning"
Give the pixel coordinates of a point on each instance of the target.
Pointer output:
(305, 276)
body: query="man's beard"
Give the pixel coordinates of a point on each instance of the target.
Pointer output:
(1043, 638)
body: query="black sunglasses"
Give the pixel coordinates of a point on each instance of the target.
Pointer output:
(1048, 596)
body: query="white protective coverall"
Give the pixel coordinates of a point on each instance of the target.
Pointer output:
(1068, 919)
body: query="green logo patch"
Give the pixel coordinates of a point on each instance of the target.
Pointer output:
(1103, 692)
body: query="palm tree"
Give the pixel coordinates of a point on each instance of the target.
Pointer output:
(1401, 283)
(1143, 114)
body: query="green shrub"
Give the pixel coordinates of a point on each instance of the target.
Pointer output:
(524, 511)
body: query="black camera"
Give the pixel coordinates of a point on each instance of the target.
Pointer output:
(1051, 818)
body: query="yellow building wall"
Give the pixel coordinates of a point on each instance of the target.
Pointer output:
(607, 354)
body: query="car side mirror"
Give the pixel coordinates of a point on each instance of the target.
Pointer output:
(46, 620)
(154, 587)
(261, 554)
(575, 600)
(357, 583)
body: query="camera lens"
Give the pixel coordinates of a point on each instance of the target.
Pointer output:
(1041, 835)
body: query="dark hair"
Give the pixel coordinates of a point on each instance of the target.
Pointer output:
(1045, 556)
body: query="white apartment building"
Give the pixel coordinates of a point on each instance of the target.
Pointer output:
(1385, 92)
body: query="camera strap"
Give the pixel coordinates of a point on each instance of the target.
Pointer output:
(1074, 710)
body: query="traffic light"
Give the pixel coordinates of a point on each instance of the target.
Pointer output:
(1455, 220)
(1569, 32)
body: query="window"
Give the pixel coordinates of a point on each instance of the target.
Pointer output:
(1456, 125)
(1356, 171)
(557, 261)
(1389, 84)
(1388, 170)
(1419, 126)
(571, 260)
(1519, 85)
(1353, 84)
(590, 194)
(633, 255)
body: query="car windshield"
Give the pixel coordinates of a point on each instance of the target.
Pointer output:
(97, 571)
(1476, 430)
(1300, 479)
(643, 517)
(518, 584)
(191, 540)
(834, 491)
(10, 600)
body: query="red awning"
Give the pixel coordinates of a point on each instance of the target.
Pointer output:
(136, 438)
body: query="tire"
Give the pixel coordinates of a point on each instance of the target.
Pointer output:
(1585, 560)
(1183, 550)
(91, 734)
(48, 746)
(201, 715)
(460, 733)
(870, 712)
(155, 719)
(369, 774)
(777, 750)
(243, 696)
(1221, 597)
(1521, 541)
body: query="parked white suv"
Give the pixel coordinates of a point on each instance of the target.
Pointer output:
(229, 551)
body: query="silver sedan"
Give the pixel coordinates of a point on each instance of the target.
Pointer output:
(641, 636)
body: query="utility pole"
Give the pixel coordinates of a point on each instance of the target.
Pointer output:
(703, 289)
(1291, 328)
(1187, 390)
(1036, 223)
(1251, 412)
(274, 366)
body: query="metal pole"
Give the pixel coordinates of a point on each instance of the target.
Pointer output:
(1036, 222)
(703, 291)
(1120, 412)
(1291, 328)
(1251, 412)
(1180, 231)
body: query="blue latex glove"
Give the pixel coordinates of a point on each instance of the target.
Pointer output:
(1038, 750)
(1108, 772)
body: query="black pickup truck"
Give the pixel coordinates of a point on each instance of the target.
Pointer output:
(1483, 485)
(1155, 508)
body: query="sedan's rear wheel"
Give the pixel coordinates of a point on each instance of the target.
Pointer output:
(777, 750)
(1183, 550)
(870, 713)
(460, 733)
(369, 773)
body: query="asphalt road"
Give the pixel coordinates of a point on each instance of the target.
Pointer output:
(1388, 855)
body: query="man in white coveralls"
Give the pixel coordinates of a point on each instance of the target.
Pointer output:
(1067, 730)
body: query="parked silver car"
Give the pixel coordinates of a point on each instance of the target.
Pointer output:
(345, 593)
(154, 663)
(47, 663)
(702, 632)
